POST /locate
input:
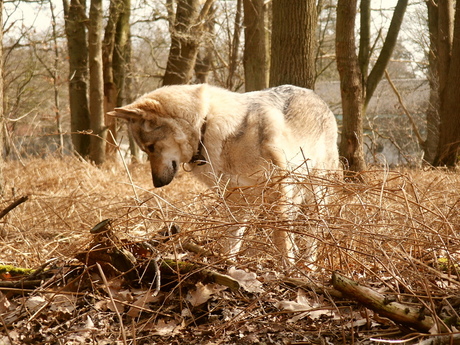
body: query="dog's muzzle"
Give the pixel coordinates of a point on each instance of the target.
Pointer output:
(164, 177)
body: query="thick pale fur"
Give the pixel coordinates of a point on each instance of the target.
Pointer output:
(246, 135)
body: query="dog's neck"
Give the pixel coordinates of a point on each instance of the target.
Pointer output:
(198, 158)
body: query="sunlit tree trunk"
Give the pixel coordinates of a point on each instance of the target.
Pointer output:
(205, 56)
(235, 45)
(96, 94)
(110, 89)
(449, 140)
(55, 77)
(121, 52)
(293, 43)
(432, 113)
(255, 46)
(351, 144)
(186, 35)
(377, 72)
(2, 118)
(357, 83)
(74, 13)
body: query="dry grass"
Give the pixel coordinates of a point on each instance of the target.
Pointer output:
(398, 230)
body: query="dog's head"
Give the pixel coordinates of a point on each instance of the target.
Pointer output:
(165, 138)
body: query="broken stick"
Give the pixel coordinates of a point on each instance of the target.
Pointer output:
(398, 312)
(14, 204)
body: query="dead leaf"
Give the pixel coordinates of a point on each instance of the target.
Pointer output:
(302, 304)
(164, 328)
(203, 293)
(248, 280)
(141, 301)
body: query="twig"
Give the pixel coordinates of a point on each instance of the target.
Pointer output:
(13, 205)
(420, 140)
(104, 279)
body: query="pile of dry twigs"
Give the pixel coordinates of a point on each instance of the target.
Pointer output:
(109, 259)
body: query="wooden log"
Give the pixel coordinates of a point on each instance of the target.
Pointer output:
(399, 313)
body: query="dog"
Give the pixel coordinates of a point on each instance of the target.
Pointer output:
(237, 139)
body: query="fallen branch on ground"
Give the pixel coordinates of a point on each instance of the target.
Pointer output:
(395, 311)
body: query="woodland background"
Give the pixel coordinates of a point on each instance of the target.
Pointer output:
(66, 64)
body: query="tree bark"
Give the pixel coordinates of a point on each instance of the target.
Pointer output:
(351, 88)
(234, 48)
(110, 89)
(364, 40)
(78, 74)
(449, 140)
(97, 151)
(2, 117)
(121, 54)
(55, 77)
(432, 113)
(186, 34)
(293, 43)
(255, 46)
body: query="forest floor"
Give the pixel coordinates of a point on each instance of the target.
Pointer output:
(115, 261)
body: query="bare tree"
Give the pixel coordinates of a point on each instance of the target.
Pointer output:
(377, 72)
(122, 49)
(110, 89)
(114, 56)
(186, 27)
(351, 87)
(96, 95)
(55, 77)
(74, 12)
(357, 85)
(204, 59)
(432, 114)
(2, 118)
(449, 84)
(255, 46)
(293, 43)
(235, 45)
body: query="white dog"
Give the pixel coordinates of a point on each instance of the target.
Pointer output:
(236, 138)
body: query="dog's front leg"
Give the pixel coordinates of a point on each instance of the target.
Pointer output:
(236, 240)
(284, 239)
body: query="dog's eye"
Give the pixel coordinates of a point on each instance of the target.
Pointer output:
(150, 148)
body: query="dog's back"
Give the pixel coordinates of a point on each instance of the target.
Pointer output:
(285, 126)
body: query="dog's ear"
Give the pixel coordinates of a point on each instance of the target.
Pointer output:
(126, 113)
(153, 108)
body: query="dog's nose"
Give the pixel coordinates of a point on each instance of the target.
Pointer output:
(159, 181)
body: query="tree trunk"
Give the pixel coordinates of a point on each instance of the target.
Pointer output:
(186, 35)
(110, 89)
(55, 77)
(364, 40)
(449, 140)
(121, 53)
(96, 95)
(2, 118)
(234, 48)
(387, 50)
(255, 46)
(78, 74)
(351, 144)
(293, 43)
(432, 114)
